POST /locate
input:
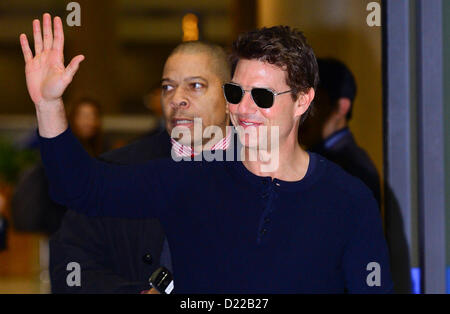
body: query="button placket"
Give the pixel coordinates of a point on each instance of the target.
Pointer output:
(267, 195)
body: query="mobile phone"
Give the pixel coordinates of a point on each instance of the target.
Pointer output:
(162, 280)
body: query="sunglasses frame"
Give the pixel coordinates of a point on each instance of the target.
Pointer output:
(274, 93)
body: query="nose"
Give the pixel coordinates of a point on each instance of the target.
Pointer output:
(247, 104)
(179, 99)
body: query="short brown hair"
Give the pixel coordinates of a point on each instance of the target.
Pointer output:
(284, 47)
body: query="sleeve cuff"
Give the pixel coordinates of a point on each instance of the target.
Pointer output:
(64, 134)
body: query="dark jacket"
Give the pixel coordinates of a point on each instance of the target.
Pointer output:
(32, 208)
(115, 255)
(342, 149)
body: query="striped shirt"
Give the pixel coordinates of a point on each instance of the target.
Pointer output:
(186, 151)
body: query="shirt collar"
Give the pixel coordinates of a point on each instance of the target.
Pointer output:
(187, 151)
(331, 140)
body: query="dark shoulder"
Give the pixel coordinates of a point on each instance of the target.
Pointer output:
(346, 184)
(353, 158)
(148, 147)
(347, 195)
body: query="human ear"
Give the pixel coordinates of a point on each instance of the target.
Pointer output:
(343, 106)
(303, 102)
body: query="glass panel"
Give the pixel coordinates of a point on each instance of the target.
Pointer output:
(446, 12)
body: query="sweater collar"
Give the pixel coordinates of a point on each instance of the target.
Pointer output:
(316, 169)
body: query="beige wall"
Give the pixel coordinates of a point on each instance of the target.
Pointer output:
(338, 28)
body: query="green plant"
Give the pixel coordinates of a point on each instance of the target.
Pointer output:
(13, 161)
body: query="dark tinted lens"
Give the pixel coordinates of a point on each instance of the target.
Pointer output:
(262, 97)
(233, 93)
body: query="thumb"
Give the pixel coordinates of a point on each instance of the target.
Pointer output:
(72, 68)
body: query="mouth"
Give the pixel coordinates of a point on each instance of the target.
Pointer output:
(182, 122)
(248, 123)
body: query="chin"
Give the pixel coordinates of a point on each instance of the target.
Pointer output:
(182, 134)
(248, 140)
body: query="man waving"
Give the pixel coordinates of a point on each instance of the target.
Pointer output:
(234, 225)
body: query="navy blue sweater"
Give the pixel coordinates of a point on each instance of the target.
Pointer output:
(231, 231)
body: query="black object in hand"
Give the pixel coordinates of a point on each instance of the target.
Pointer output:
(162, 280)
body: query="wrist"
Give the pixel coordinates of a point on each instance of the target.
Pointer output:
(44, 106)
(51, 118)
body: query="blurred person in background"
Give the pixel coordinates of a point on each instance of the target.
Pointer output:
(3, 223)
(327, 132)
(32, 208)
(85, 119)
(118, 255)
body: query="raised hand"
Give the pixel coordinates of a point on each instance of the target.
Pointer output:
(46, 76)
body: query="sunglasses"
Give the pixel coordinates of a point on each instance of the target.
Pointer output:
(263, 97)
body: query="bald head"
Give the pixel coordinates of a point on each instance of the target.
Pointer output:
(220, 65)
(191, 84)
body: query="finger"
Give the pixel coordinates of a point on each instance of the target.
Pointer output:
(48, 35)
(27, 54)
(72, 68)
(58, 39)
(37, 37)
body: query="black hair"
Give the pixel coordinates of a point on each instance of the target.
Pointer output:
(337, 81)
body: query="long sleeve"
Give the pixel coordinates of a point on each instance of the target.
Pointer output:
(97, 188)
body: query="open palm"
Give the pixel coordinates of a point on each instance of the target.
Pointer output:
(46, 76)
